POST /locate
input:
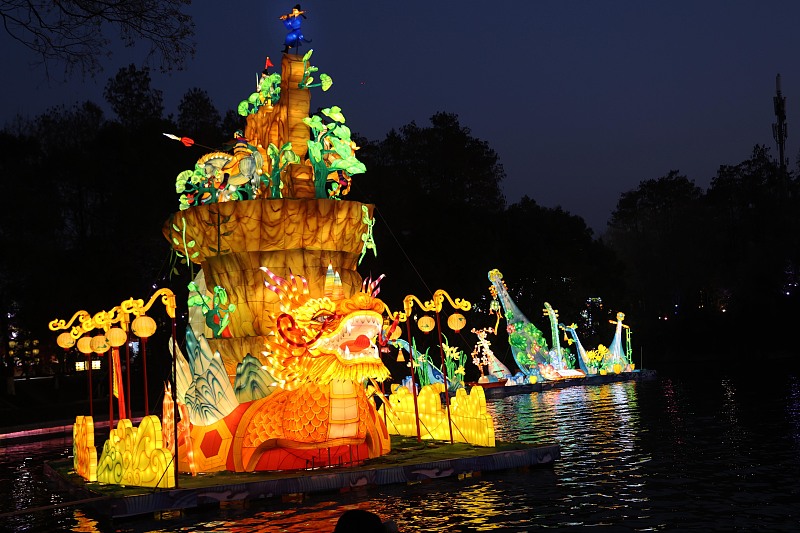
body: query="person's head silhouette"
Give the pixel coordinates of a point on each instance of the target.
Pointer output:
(359, 521)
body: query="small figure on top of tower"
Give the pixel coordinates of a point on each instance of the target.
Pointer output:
(293, 22)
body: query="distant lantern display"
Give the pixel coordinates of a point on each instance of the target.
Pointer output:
(143, 326)
(66, 340)
(456, 322)
(426, 324)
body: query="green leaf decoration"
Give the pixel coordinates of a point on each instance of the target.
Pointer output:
(195, 299)
(335, 113)
(190, 244)
(326, 81)
(308, 55)
(175, 227)
(342, 148)
(225, 251)
(227, 233)
(194, 255)
(244, 108)
(315, 150)
(254, 98)
(213, 249)
(176, 241)
(343, 132)
(350, 165)
(309, 81)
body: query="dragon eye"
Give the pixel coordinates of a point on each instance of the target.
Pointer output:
(322, 317)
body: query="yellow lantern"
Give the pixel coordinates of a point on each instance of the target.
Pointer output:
(85, 345)
(143, 326)
(116, 337)
(426, 324)
(99, 344)
(456, 322)
(66, 340)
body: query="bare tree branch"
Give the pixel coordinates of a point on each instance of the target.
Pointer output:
(73, 32)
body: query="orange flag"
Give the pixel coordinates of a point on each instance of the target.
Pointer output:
(119, 391)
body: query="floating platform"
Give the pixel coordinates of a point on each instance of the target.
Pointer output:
(592, 379)
(409, 462)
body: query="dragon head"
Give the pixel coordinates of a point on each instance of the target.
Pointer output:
(319, 340)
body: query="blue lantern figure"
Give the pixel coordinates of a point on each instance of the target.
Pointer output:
(292, 21)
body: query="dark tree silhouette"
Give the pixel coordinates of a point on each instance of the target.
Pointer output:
(653, 231)
(198, 118)
(74, 32)
(131, 97)
(755, 224)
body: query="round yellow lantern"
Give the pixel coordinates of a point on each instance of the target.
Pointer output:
(426, 324)
(116, 337)
(143, 326)
(66, 340)
(85, 345)
(99, 344)
(456, 322)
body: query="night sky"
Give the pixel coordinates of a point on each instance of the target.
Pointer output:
(582, 100)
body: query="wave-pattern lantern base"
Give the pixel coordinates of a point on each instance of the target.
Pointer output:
(471, 422)
(83, 449)
(136, 456)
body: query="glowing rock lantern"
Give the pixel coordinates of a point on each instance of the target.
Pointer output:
(426, 324)
(143, 326)
(456, 322)
(66, 340)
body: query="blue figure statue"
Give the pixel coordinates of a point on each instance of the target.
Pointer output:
(293, 22)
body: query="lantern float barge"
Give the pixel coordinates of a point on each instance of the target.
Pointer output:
(267, 396)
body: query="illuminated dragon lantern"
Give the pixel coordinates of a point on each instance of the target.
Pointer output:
(276, 378)
(315, 412)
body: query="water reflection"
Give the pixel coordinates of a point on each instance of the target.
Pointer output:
(714, 453)
(793, 409)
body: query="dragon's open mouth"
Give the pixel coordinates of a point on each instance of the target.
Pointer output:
(354, 340)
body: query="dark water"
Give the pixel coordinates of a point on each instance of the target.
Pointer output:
(711, 452)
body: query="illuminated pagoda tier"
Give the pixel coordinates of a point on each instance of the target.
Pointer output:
(278, 296)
